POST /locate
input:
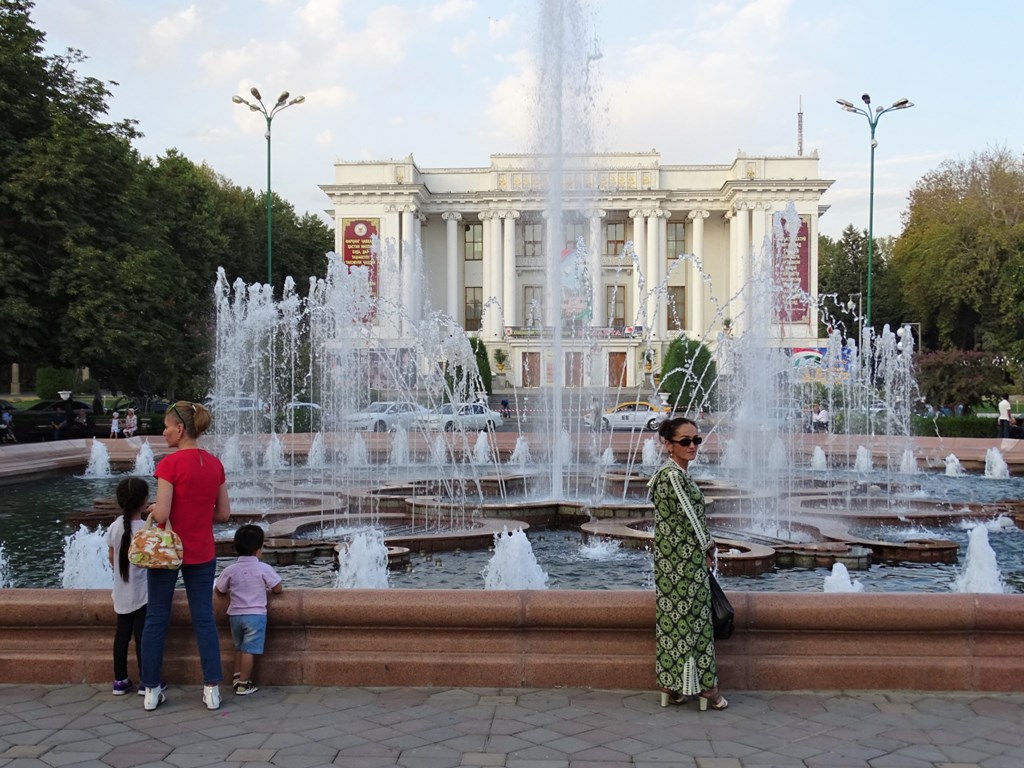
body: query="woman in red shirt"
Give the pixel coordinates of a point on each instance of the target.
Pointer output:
(192, 494)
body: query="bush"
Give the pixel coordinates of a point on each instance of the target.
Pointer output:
(90, 387)
(954, 426)
(688, 375)
(50, 381)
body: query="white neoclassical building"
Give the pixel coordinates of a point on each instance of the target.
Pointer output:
(474, 242)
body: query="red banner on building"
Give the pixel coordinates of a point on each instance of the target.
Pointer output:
(791, 268)
(357, 247)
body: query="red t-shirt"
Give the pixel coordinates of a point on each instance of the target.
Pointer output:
(197, 476)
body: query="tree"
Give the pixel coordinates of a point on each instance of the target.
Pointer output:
(842, 277)
(954, 376)
(960, 259)
(689, 375)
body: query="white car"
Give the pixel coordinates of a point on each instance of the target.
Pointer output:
(638, 414)
(384, 416)
(462, 416)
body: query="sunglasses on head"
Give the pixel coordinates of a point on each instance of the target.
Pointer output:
(685, 441)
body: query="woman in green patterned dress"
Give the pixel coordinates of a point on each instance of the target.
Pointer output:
(683, 552)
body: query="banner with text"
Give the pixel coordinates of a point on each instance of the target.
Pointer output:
(791, 267)
(357, 249)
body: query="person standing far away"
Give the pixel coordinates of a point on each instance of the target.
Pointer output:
(130, 593)
(1004, 416)
(115, 425)
(191, 492)
(685, 661)
(247, 582)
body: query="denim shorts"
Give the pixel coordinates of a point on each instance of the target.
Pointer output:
(249, 632)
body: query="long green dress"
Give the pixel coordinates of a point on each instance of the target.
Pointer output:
(684, 633)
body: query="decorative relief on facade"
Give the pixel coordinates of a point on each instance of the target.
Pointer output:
(399, 174)
(645, 180)
(502, 181)
(751, 171)
(698, 213)
(451, 216)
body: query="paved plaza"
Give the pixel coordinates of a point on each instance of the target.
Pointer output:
(72, 725)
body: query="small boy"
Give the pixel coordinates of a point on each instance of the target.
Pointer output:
(247, 582)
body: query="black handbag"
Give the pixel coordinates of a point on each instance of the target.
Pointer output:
(722, 613)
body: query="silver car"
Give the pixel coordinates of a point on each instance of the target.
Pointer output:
(462, 416)
(384, 416)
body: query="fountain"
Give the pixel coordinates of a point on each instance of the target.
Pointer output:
(144, 461)
(995, 464)
(85, 561)
(99, 460)
(6, 581)
(514, 565)
(980, 572)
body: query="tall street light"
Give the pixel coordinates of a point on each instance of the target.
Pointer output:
(283, 102)
(873, 122)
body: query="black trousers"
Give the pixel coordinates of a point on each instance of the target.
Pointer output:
(129, 625)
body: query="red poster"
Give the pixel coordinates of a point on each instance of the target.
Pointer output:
(357, 247)
(791, 272)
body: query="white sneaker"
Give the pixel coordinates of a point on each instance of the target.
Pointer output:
(154, 698)
(211, 696)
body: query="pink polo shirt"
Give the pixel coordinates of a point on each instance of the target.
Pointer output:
(247, 582)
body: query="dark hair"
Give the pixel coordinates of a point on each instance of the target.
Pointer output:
(248, 539)
(193, 416)
(669, 426)
(131, 493)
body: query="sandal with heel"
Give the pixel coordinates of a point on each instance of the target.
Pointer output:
(672, 697)
(714, 699)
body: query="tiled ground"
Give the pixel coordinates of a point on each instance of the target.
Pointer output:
(512, 728)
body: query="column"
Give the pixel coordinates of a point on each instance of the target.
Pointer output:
(510, 300)
(695, 280)
(15, 379)
(455, 278)
(741, 319)
(598, 309)
(419, 284)
(496, 293)
(653, 281)
(408, 266)
(486, 267)
(639, 268)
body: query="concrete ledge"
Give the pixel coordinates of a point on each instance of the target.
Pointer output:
(547, 639)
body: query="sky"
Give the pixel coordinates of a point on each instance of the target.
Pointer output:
(449, 81)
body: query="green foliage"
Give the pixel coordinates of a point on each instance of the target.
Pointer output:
(483, 363)
(960, 259)
(106, 258)
(688, 375)
(50, 381)
(954, 426)
(842, 275)
(89, 387)
(954, 376)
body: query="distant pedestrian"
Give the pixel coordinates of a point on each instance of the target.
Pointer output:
(7, 426)
(247, 582)
(115, 425)
(1004, 416)
(505, 410)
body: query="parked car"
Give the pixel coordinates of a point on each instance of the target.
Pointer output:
(384, 416)
(37, 422)
(463, 416)
(638, 414)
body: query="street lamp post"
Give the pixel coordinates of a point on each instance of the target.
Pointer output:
(283, 102)
(873, 122)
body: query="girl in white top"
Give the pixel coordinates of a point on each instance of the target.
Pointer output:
(115, 425)
(130, 591)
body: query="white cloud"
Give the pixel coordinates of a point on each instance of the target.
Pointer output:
(325, 138)
(498, 28)
(451, 9)
(321, 19)
(164, 37)
(464, 45)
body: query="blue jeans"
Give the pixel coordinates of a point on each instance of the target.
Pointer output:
(199, 591)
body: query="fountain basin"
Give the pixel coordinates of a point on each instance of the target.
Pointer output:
(548, 639)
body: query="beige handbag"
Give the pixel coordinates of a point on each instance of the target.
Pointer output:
(154, 547)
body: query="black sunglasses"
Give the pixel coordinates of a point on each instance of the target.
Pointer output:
(685, 441)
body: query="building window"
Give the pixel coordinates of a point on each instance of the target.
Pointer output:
(614, 238)
(474, 242)
(677, 307)
(615, 301)
(573, 232)
(533, 306)
(474, 308)
(675, 245)
(533, 240)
